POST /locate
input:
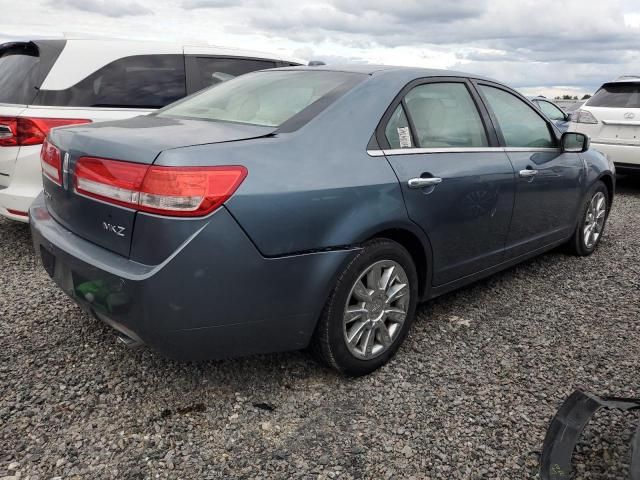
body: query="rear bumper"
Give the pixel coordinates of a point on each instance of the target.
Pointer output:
(214, 297)
(620, 154)
(23, 186)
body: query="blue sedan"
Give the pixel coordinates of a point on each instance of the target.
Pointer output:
(309, 207)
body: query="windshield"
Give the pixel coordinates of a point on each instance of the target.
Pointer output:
(267, 98)
(617, 95)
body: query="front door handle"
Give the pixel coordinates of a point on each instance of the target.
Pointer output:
(423, 182)
(528, 173)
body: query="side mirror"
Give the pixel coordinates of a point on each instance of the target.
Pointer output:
(574, 142)
(567, 117)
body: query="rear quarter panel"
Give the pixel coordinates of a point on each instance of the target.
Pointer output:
(317, 187)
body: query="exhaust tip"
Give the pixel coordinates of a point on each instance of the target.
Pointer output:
(124, 335)
(128, 341)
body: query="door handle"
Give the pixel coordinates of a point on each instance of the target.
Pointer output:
(528, 173)
(423, 182)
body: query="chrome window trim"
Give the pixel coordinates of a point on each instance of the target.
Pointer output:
(529, 149)
(419, 151)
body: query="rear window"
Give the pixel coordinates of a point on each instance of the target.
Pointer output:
(140, 81)
(23, 68)
(268, 98)
(617, 95)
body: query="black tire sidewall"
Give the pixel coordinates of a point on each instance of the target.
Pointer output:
(372, 253)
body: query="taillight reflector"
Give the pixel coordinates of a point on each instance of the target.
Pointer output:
(17, 212)
(51, 161)
(23, 131)
(172, 191)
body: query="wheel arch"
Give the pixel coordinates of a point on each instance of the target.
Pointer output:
(418, 247)
(609, 182)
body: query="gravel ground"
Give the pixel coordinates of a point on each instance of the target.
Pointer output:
(469, 395)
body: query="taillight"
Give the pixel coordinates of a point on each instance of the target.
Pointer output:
(51, 161)
(23, 131)
(172, 191)
(583, 116)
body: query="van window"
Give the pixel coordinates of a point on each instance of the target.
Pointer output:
(23, 68)
(214, 70)
(140, 81)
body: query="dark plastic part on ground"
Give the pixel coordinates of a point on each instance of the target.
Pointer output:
(567, 425)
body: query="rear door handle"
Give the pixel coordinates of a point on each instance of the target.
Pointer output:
(423, 182)
(528, 173)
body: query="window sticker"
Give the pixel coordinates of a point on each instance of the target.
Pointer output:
(405, 137)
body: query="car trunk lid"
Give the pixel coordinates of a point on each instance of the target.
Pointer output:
(616, 125)
(138, 140)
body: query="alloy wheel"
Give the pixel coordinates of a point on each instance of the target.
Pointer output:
(376, 309)
(594, 219)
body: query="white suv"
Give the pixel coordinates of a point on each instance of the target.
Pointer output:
(612, 119)
(53, 83)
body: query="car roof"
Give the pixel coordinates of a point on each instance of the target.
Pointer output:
(390, 70)
(151, 47)
(626, 78)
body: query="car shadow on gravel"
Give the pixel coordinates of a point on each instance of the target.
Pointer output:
(628, 184)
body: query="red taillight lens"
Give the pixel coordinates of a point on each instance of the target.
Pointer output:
(51, 161)
(173, 191)
(23, 131)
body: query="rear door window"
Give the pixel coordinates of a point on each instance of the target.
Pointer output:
(140, 81)
(212, 70)
(398, 132)
(616, 95)
(445, 116)
(520, 124)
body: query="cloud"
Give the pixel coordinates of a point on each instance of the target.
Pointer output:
(525, 42)
(195, 4)
(108, 8)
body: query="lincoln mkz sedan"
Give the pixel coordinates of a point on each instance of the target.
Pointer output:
(309, 207)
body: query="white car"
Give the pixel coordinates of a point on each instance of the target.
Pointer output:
(612, 119)
(52, 83)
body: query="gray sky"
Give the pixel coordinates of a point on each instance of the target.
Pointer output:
(538, 46)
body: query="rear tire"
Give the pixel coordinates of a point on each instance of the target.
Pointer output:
(369, 311)
(592, 221)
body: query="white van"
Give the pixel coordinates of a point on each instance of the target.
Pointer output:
(52, 83)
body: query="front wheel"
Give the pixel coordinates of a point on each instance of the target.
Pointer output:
(370, 310)
(593, 218)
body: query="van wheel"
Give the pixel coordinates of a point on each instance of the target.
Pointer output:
(369, 311)
(592, 220)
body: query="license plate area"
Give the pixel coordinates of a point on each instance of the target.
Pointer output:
(630, 133)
